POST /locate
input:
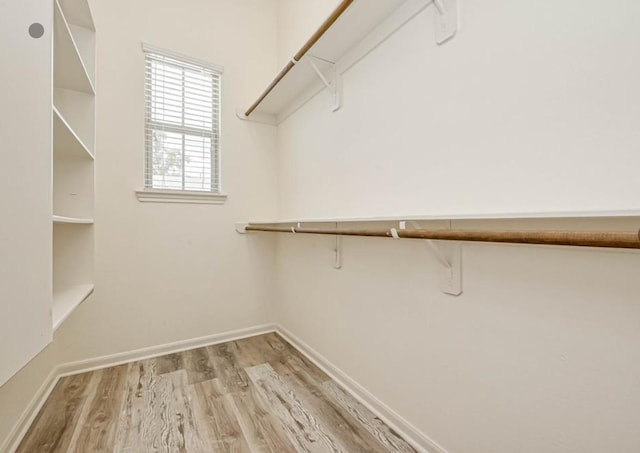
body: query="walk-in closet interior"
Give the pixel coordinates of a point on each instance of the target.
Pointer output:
(320, 226)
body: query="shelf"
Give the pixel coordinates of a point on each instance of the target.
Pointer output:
(69, 70)
(66, 142)
(631, 213)
(65, 300)
(78, 12)
(71, 220)
(347, 26)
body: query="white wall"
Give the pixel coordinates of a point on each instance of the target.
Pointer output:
(297, 20)
(538, 354)
(25, 184)
(168, 272)
(532, 107)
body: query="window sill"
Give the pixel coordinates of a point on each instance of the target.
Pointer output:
(179, 196)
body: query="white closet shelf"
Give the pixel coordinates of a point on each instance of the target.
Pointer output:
(69, 70)
(348, 25)
(620, 213)
(71, 220)
(65, 300)
(65, 140)
(78, 12)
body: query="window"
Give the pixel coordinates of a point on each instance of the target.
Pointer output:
(182, 129)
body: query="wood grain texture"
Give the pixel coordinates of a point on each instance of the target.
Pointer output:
(311, 392)
(232, 377)
(303, 429)
(386, 436)
(53, 428)
(253, 395)
(609, 239)
(100, 413)
(198, 364)
(216, 412)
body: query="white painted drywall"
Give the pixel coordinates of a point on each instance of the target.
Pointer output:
(532, 107)
(22, 391)
(297, 20)
(25, 184)
(168, 272)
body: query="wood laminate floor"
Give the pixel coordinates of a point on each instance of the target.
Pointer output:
(253, 395)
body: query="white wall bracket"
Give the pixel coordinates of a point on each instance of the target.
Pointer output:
(338, 250)
(333, 83)
(446, 19)
(241, 227)
(449, 256)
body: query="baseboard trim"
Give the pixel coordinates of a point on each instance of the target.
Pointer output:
(410, 433)
(98, 363)
(19, 430)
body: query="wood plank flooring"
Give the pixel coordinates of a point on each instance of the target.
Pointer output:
(253, 395)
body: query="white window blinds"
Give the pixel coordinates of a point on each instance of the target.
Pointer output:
(182, 130)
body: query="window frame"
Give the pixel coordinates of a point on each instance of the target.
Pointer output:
(151, 194)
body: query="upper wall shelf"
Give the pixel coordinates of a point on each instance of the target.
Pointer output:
(353, 22)
(69, 69)
(349, 23)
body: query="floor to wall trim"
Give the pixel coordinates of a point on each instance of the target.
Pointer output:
(409, 432)
(19, 430)
(98, 363)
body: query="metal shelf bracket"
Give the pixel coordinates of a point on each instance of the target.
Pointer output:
(446, 19)
(333, 84)
(449, 256)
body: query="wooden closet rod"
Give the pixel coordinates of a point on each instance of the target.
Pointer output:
(301, 53)
(612, 239)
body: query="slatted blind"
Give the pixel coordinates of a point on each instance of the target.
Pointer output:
(182, 130)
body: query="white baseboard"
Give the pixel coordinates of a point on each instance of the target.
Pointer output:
(19, 430)
(410, 433)
(98, 363)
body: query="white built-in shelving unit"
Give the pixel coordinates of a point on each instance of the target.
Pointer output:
(73, 155)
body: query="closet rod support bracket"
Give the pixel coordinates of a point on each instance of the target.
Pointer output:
(241, 227)
(449, 257)
(338, 250)
(333, 83)
(446, 19)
